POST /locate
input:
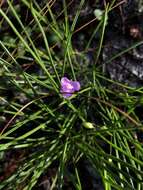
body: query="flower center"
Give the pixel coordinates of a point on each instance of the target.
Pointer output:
(69, 86)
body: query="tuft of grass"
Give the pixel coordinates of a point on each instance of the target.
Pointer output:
(48, 131)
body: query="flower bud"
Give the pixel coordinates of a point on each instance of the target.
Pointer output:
(88, 125)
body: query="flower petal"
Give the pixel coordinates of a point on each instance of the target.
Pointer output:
(76, 85)
(68, 87)
(64, 81)
(66, 95)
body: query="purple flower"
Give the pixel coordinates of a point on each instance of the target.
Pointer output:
(68, 87)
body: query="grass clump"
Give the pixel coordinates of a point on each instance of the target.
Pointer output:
(48, 137)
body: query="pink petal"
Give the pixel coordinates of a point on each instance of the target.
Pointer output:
(76, 85)
(64, 81)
